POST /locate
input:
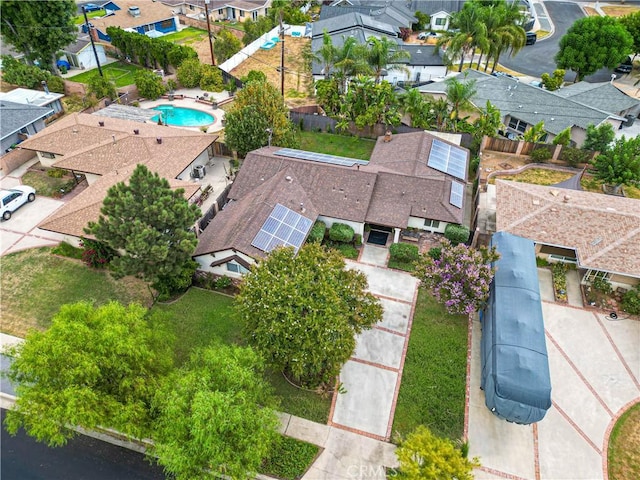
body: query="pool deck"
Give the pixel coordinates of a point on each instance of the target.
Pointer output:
(189, 101)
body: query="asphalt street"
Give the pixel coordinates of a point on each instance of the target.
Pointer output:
(537, 59)
(82, 458)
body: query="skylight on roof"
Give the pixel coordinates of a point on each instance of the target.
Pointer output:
(283, 227)
(448, 159)
(457, 192)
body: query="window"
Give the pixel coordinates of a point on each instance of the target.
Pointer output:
(435, 224)
(518, 125)
(441, 22)
(591, 275)
(254, 15)
(47, 155)
(221, 11)
(192, 7)
(166, 24)
(236, 268)
(241, 13)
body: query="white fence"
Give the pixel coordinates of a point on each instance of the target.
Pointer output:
(253, 47)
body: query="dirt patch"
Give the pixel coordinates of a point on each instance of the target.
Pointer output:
(496, 161)
(591, 12)
(619, 11)
(297, 79)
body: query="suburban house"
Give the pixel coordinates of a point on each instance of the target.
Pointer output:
(220, 10)
(423, 65)
(523, 106)
(599, 233)
(391, 13)
(18, 121)
(106, 150)
(38, 98)
(79, 54)
(413, 180)
(149, 18)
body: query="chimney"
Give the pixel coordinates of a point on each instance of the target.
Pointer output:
(45, 87)
(159, 140)
(387, 136)
(101, 123)
(136, 131)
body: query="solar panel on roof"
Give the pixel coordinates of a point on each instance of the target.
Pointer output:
(283, 227)
(457, 191)
(448, 159)
(320, 157)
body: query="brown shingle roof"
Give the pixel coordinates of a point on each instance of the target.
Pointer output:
(604, 230)
(238, 223)
(150, 12)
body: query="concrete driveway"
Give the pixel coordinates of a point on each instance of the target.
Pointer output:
(595, 375)
(372, 376)
(21, 232)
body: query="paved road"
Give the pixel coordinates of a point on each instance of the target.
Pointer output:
(537, 59)
(82, 458)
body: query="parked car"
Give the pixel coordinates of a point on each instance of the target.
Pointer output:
(531, 38)
(13, 198)
(91, 7)
(625, 67)
(425, 35)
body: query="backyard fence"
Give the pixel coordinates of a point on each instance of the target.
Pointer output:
(559, 153)
(214, 209)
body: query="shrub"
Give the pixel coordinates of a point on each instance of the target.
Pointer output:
(67, 250)
(317, 232)
(189, 73)
(631, 301)
(211, 79)
(255, 76)
(404, 252)
(101, 87)
(168, 287)
(541, 262)
(347, 250)
(435, 253)
(340, 232)
(541, 155)
(602, 285)
(96, 254)
(222, 282)
(56, 173)
(55, 84)
(456, 233)
(171, 84)
(559, 274)
(574, 156)
(357, 239)
(149, 84)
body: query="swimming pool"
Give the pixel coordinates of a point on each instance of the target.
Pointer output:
(183, 117)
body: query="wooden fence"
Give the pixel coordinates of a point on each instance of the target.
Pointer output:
(520, 147)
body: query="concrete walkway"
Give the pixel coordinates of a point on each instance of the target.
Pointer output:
(372, 376)
(595, 376)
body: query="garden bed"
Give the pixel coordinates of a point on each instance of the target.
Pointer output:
(51, 182)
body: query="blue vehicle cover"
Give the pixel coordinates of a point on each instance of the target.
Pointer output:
(515, 366)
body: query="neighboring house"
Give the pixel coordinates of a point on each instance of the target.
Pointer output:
(415, 180)
(391, 13)
(18, 121)
(26, 96)
(80, 54)
(219, 10)
(149, 18)
(424, 64)
(599, 233)
(107, 151)
(523, 105)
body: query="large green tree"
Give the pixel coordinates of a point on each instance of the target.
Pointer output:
(215, 416)
(269, 107)
(367, 103)
(302, 312)
(424, 456)
(598, 138)
(593, 43)
(39, 29)
(350, 60)
(384, 55)
(459, 94)
(149, 84)
(149, 224)
(620, 164)
(468, 31)
(632, 23)
(93, 367)
(226, 45)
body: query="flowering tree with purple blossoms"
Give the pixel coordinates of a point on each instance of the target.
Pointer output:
(460, 277)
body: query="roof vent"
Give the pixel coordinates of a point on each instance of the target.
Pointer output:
(159, 140)
(75, 130)
(101, 124)
(114, 138)
(134, 11)
(596, 241)
(288, 179)
(566, 199)
(387, 136)
(136, 131)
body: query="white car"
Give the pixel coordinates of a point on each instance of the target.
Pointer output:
(425, 35)
(13, 198)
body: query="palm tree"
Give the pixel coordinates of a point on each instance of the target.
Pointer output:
(459, 95)
(469, 31)
(506, 33)
(439, 112)
(385, 54)
(350, 61)
(326, 54)
(414, 105)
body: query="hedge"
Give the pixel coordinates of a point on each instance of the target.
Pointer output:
(317, 232)
(340, 232)
(404, 252)
(456, 233)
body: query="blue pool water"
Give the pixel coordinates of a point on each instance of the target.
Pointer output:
(183, 117)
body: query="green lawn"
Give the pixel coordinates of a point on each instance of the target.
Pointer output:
(79, 20)
(122, 74)
(340, 145)
(624, 445)
(230, 25)
(432, 391)
(35, 284)
(289, 459)
(186, 36)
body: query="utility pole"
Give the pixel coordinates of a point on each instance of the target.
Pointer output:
(93, 45)
(281, 55)
(206, 11)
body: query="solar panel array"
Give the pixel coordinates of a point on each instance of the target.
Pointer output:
(283, 227)
(320, 157)
(457, 192)
(448, 159)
